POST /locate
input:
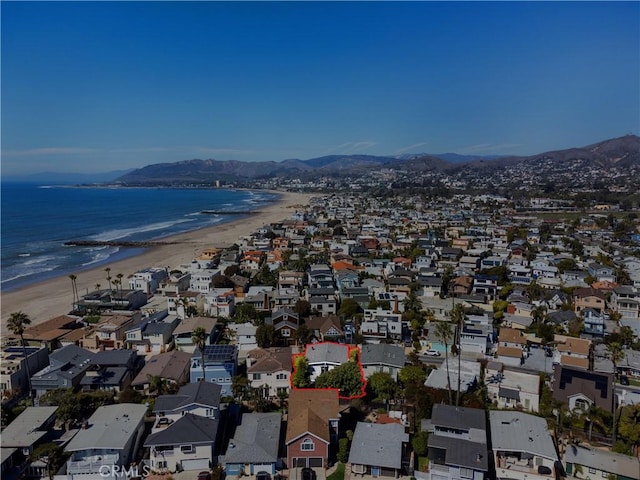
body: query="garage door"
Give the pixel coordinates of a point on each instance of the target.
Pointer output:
(315, 462)
(267, 467)
(196, 464)
(299, 462)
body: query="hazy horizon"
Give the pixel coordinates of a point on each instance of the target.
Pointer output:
(92, 87)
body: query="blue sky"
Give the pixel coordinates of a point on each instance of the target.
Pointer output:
(99, 86)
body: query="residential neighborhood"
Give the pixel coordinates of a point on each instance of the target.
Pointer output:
(364, 337)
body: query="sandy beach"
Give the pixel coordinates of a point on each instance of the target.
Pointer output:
(51, 298)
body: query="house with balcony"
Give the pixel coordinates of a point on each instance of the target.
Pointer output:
(573, 352)
(325, 329)
(378, 449)
(584, 298)
(171, 367)
(184, 434)
(255, 445)
(183, 333)
(51, 332)
(625, 300)
(111, 370)
(269, 369)
(111, 300)
(148, 280)
(457, 445)
(16, 368)
(220, 302)
(220, 363)
(601, 272)
(153, 334)
(286, 323)
(579, 389)
(381, 324)
(522, 447)
(111, 436)
(584, 461)
(110, 331)
(66, 369)
(511, 389)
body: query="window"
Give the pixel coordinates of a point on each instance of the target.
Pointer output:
(307, 445)
(466, 473)
(592, 470)
(604, 474)
(186, 448)
(285, 332)
(281, 376)
(210, 412)
(161, 464)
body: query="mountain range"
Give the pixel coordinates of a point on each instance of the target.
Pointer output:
(619, 152)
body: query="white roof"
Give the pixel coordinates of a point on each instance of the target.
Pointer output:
(520, 432)
(110, 427)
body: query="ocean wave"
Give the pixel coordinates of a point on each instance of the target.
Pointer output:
(39, 260)
(101, 256)
(27, 273)
(121, 233)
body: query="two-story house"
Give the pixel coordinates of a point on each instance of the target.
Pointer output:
(312, 427)
(522, 447)
(148, 280)
(269, 369)
(183, 333)
(220, 363)
(66, 368)
(584, 298)
(378, 449)
(325, 356)
(511, 389)
(111, 436)
(382, 358)
(184, 434)
(457, 445)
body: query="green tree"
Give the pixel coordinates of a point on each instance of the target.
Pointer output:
(302, 308)
(382, 385)
(616, 353)
(347, 378)
(266, 336)
(420, 443)
(301, 377)
(343, 450)
(303, 335)
(17, 323)
(629, 425)
(245, 312)
(349, 308)
(199, 338)
(411, 374)
(68, 403)
(239, 387)
(52, 455)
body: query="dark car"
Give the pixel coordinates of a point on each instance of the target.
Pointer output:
(624, 380)
(263, 476)
(308, 474)
(204, 476)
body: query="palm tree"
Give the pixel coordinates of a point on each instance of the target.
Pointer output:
(74, 291)
(16, 325)
(457, 318)
(444, 333)
(98, 286)
(157, 384)
(538, 314)
(616, 353)
(108, 270)
(199, 338)
(119, 277)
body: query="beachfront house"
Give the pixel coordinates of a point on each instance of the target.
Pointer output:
(148, 280)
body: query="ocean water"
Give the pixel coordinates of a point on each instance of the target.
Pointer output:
(36, 220)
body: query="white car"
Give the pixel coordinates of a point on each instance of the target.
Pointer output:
(433, 353)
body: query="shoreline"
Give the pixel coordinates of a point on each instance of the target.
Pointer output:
(52, 297)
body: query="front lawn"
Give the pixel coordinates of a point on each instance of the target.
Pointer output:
(338, 474)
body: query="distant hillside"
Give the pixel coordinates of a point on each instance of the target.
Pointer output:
(620, 152)
(67, 177)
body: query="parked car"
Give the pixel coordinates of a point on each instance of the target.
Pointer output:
(432, 353)
(263, 476)
(624, 380)
(308, 474)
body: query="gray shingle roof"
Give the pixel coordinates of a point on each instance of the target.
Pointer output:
(327, 352)
(383, 354)
(187, 429)
(378, 444)
(462, 453)
(202, 393)
(458, 417)
(256, 439)
(110, 427)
